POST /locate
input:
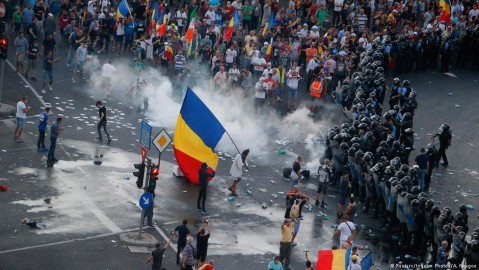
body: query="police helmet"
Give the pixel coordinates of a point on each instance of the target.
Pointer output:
(344, 146)
(415, 203)
(463, 208)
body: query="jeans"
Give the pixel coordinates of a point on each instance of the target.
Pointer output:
(51, 151)
(285, 253)
(179, 247)
(100, 125)
(149, 215)
(41, 139)
(422, 175)
(202, 198)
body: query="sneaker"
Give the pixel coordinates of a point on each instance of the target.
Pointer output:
(316, 203)
(40, 149)
(43, 91)
(323, 204)
(204, 212)
(73, 81)
(109, 141)
(99, 139)
(50, 87)
(44, 149)
(198, 209)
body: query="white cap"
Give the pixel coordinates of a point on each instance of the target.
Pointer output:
(314, 27)
(166, 43)
(266, 43)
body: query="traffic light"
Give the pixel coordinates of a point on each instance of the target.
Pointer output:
(3, 47)
(140, 174)
(154, 171)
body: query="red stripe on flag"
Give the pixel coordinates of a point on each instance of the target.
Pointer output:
(325, 260)
(190, 166)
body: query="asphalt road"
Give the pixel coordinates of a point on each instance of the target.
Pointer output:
(91, 204)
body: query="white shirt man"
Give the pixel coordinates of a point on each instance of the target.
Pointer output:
(108, 70)
(474, 13)
(105, 4)
(258, 63)
(180, 17)
(346, 229)
(338, 5)
(91, 7)
(210, 16)
(231, 54)
(260, 88)
(21, 109)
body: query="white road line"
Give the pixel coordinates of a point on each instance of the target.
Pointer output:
(472, 145)
(65, 242)
(27, 83)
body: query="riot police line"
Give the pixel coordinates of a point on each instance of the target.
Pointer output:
(375, 151)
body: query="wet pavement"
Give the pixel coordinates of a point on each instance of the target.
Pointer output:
(90, 204)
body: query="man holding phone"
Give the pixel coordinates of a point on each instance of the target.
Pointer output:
(286, 240)
(202, 244)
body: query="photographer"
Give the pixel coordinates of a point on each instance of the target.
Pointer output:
(202, 244)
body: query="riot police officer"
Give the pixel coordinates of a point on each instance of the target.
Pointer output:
(445, 53)
(444, 142)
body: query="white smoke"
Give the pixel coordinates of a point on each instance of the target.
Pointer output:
(259, 133)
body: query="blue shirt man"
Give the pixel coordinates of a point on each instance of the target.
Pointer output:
(42, 126)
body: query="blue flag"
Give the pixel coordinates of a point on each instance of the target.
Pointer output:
(367, 262)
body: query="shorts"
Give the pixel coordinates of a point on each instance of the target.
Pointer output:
(322, 187)
(79, 65)
(201, 256)
(47, 75)
(20, 122)
(296, 226)
(32, 64)
(292, 93)
(342, 199)
(20, 57)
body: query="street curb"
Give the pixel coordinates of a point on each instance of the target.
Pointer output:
(7, 110)
(131, 239)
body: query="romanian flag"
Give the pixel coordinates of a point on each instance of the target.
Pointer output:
(268, 50)
(168, 53)
(191, 28)
(196, 135)
(162, 27)
(123, 9)
(229, 30)
(333, 259)
(269, 24)
(233, 22)
(153, 16)
(446, 11)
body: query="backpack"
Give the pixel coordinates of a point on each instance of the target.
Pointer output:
(294, 212)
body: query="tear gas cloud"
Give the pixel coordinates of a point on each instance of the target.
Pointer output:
(237, 114)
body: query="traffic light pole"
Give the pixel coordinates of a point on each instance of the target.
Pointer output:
(2, 70)
(147, 183)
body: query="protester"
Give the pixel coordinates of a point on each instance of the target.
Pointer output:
(157, 255)
(202, 243)
(237, 170)
(181, 232)
(55, 131)
(42, 126)
(102, 122)
(204, 174)
(188, 252)
(22, 110)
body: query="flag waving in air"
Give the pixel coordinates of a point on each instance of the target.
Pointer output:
(123, 9)
(233, 22)
(269, 24)
(191, 28)
(446, 11)
(196, 135)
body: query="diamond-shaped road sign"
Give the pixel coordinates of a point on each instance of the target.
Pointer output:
(162, 140)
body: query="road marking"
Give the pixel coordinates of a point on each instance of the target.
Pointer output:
(65, 242)
(27, 83)
(472, 145)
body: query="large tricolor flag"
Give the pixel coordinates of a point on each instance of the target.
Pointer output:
(333, 259)
(196, 135)
(123, 9)
(446, 11)
(161, 24)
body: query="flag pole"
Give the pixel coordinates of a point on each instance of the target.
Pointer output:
(233, 142)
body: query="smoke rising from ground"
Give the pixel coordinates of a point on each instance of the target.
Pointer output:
(236, 113)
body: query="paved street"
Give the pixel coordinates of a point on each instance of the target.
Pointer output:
(91, 204)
